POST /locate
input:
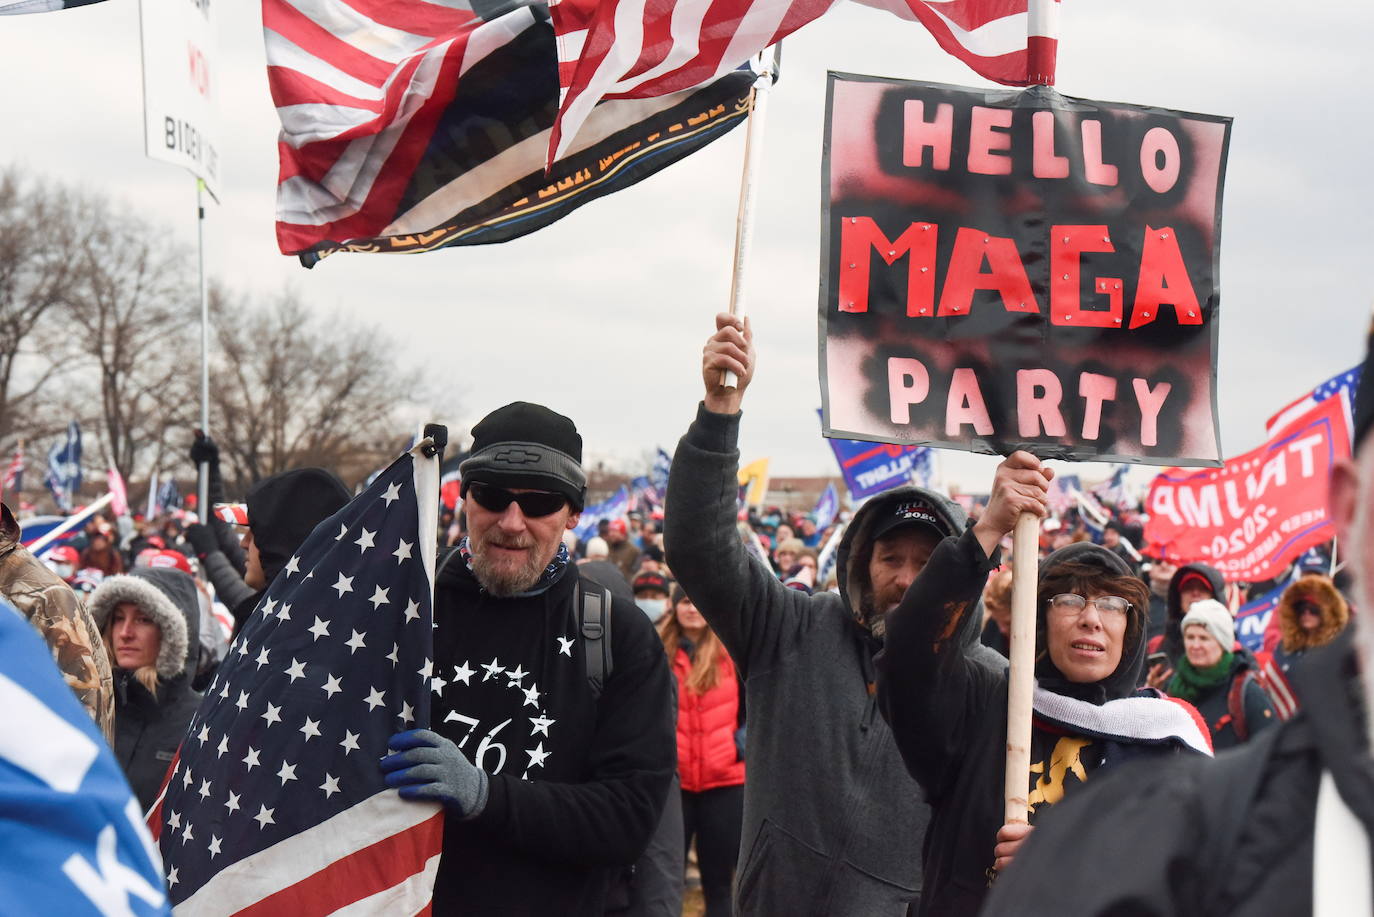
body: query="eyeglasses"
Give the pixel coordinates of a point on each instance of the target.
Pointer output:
(533, 503)
(1071, 606)
(1307, 608)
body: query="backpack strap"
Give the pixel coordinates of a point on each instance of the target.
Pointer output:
(594, 619)
(445, 555)
(1235, 707)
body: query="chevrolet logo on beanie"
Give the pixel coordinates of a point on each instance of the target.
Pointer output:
(527, 445)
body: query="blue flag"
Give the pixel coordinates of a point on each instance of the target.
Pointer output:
(613, 508)
(1253, 617)
(276, 793)
(827, 508)
(73, 840)
(64, 467)
(663, 465)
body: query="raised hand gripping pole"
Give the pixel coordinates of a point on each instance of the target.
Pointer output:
(1025, 550)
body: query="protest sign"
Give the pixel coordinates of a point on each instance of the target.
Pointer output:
(1253, 517)
(1009, 270)
(180, 84)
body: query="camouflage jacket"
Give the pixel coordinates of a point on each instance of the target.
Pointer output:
(57, 614)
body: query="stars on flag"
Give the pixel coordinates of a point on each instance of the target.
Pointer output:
(379, 598)
(365, 540)
(355, 643)
(344, 585)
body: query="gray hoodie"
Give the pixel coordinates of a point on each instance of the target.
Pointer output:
(833, 823)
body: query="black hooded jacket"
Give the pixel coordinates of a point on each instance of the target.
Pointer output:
(1229, 838)
(148, 728)
(948, 712)
(1173, 621)
(282, 512)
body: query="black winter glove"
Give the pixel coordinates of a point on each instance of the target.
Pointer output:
(202, 539)
(203, 449)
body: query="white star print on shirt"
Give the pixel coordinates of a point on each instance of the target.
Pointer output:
(463, 673)
(565, 646)
(537, 755)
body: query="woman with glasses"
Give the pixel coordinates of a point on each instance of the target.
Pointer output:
(1217, 676)
(948, 707)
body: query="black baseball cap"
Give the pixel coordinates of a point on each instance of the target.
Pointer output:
(912, 511)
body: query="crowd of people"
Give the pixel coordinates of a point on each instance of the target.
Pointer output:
(808, 720)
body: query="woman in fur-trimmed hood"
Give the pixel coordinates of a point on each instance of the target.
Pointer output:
(147, 619)
(1310, 614)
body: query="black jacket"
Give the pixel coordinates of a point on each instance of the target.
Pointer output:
(1173, 620)
(1205, 839)
(948, 711)
(576, 784)
(148, 729)
(1215, 708)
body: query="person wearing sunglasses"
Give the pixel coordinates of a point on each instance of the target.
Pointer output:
(948, 709)
(552, 786)
(1310, 613)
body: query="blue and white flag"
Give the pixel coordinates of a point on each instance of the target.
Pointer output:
(168, 497)
(64, 467)
(73, 840)
(275, 803)
(825, 563)
(613, 508)
(871, 468)
(663, 465)
(1341, 385)
(827, 508)
(1252, 618)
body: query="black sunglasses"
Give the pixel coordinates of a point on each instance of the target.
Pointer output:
(532, 504)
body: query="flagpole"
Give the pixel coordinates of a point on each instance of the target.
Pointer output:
(203, 488)
(1041, 49)
(748, 192)
(70, 522)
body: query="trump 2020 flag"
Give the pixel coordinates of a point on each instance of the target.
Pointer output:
(73, 840)
(275, 803)
(64, 467)
(827, 508)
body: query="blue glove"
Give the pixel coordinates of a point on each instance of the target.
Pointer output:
(425, 765)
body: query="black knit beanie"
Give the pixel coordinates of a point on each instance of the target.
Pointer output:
(527, 445)
(285, 508)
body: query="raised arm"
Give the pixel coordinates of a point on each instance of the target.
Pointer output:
(752, 613)
(932, 688)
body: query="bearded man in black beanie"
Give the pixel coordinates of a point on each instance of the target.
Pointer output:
(1280, 826)
(553, 778)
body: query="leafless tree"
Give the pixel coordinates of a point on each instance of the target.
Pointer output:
(291, 387)
(130, 308)
(39, 234)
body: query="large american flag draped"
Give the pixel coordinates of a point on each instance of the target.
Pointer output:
(636, 49)
(412, 126)
(1340, 385)
(275, 803)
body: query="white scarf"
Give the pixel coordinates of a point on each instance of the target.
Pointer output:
(1142, 719)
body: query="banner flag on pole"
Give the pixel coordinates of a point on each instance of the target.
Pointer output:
(75, 842)
(14, 474)
(275, 803)
(168, 497)
(1254, 516)
(616, 506)
(663, 466)
(181, 122)
(630, 49)
(64, 467)
(754, 477)
(1340, 384)
(408, 127)
(120, 505)
(9, 7)
(827, 507)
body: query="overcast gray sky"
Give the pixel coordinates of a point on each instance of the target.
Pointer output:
(602, 315)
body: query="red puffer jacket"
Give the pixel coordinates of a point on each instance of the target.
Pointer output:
(706, 724)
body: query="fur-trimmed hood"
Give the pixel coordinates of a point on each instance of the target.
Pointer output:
(166, 595)
(1335, 613)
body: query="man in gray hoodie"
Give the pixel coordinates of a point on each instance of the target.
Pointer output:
(833, 824)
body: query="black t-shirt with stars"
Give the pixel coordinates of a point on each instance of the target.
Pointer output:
(575, 783)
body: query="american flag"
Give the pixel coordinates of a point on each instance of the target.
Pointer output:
(633, 49)
(1113, 493)
(412, 126)
(1063, 493)
(275, 803)
(1341, 384)
(14, 474)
